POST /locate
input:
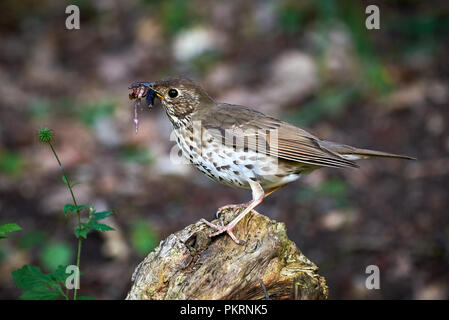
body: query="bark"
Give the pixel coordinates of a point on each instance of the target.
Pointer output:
(190, 265)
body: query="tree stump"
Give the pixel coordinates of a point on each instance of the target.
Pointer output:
(190, 265)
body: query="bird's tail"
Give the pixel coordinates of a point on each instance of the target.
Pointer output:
(352, 153)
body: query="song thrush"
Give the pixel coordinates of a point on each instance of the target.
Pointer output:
(240, 147)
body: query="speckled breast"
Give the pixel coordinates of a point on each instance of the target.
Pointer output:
(234, 166)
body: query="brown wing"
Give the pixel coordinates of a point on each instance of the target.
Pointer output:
(232, 124)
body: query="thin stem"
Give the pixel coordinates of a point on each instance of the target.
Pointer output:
(65, 176)
(78, 212)
(78, 258)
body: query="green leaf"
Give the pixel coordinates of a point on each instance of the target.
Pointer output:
(29, 276)
(101, 227)
(8, 228)
(81, 232)
(103, 214)
(64, 179)
(54, 255)
(76, 184)
(40, 293)
(68, 208)
(59, 275)
(36, 285)
(82, 207)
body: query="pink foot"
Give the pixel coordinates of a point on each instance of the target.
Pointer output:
(228, 229)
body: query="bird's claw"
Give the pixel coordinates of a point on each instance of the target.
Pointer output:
(234, 208)
(220, 229)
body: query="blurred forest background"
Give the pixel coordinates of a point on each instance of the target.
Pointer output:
(312, 63)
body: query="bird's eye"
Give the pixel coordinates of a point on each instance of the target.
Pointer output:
(173, 93)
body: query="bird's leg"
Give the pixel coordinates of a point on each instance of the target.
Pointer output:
(258, 195)
(273, 190)
(233, 207)
(236, 207)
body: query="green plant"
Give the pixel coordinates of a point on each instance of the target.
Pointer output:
(34, 283)
(8, 228)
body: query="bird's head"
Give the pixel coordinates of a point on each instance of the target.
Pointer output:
(179, 96)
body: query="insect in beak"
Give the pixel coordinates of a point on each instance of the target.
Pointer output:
(142, 90)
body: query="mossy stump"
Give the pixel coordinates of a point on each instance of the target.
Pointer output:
(190, 265)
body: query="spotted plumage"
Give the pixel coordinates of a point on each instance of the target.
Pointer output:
(241, 147)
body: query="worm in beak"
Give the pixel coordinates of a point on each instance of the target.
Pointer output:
(142, 90)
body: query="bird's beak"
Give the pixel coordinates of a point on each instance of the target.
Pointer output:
(140, 84)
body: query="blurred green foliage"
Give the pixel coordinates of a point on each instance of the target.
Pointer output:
(419, 34)
(137, 154)
(143, 237)
(8, 228)
(33, 239)
(376, 73)
(55, 254)
(174, 15)
(11, 162)
(323, 16)
(204, 62)
(334, 189)
(291, 16)
(39, 109)
(327, 104)
(89, 114)
(86, 113)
